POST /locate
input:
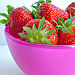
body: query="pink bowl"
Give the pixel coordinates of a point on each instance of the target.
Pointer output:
(39, 59)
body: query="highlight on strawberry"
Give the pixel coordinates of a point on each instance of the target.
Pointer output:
(40, 31)
(66, 31)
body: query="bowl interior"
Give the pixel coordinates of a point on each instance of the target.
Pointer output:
(17, 40)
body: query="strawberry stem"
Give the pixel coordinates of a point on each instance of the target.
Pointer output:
(38, 36)
(65, 26)
(36, 7)
(48, 1)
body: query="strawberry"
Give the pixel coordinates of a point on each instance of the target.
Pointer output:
(16, 19)
(39, 31)
(49, 11)
(66, 31)
(71, 9)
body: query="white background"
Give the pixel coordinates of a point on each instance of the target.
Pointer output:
(7, 64)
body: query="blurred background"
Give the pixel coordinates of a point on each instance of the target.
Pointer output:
(7, 64)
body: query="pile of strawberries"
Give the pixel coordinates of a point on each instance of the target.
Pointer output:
(45, 24)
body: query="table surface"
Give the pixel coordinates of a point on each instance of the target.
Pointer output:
(7, 63)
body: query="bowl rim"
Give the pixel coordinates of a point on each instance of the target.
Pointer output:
(8, 35)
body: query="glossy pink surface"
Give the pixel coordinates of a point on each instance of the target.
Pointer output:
(39, 59)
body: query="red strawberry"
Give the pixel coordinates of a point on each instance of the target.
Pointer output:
(67, 32)
(67, 38)
(17, 19)
(71, 9)
(51, 12)
(39, 31)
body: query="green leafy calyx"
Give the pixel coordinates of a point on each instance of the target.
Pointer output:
(36, 7)
(38, 35)
(65, 26)
(7, 16)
